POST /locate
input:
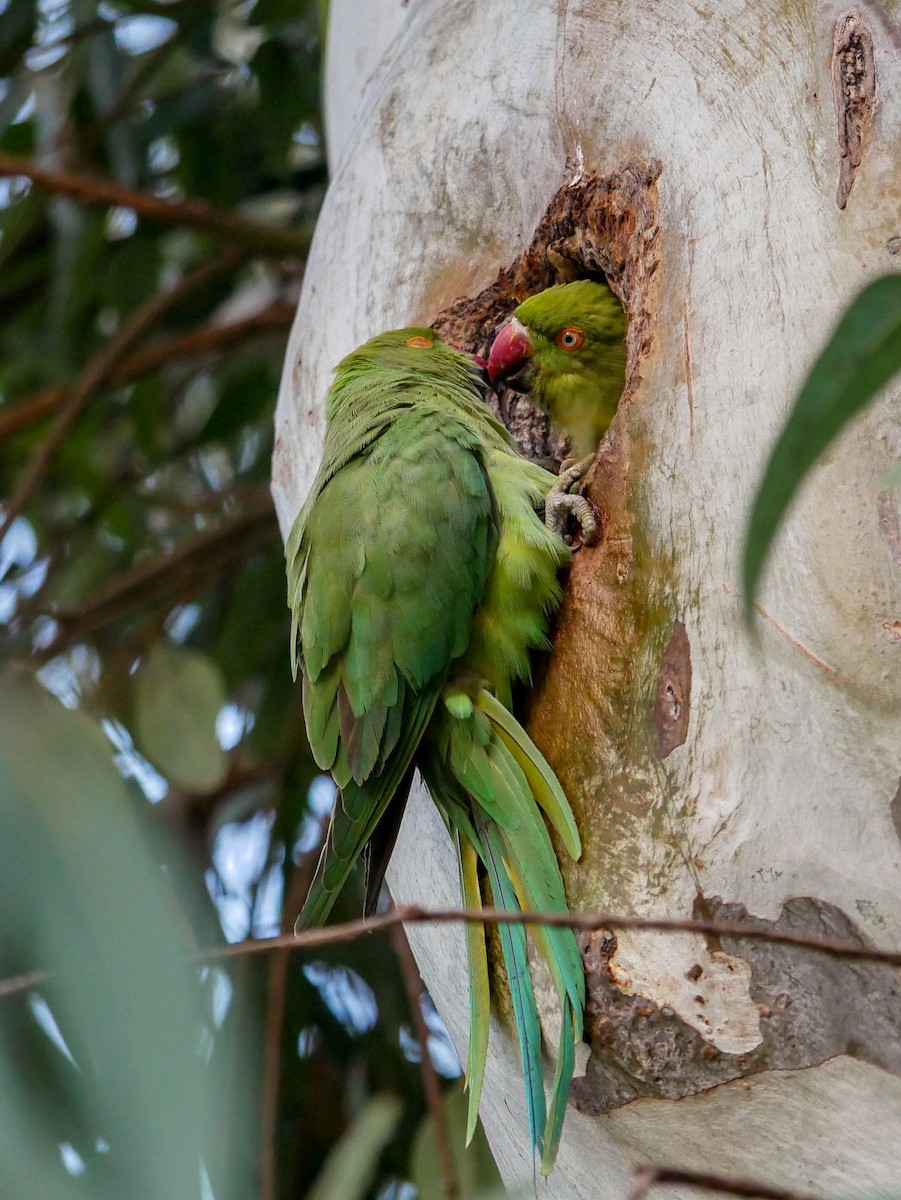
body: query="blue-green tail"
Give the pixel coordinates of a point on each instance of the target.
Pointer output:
(489, 779)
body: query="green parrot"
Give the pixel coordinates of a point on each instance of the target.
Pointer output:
(566, 345)
(420, 576)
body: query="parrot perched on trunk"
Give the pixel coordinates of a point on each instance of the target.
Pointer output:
(419, 578)
(566, 345)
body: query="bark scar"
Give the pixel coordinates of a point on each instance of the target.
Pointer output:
(673, 698)
(854, 86)
(689, 381)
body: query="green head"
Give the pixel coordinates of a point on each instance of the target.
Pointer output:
(567, 344)
(416, 349)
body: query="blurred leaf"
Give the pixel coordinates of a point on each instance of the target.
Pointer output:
(147, 406)
(18, 138)
(352, 1163)
(245, 393)
(133, 271)
(475, 1173)
(862, 355)
(82, 895)
(177, 696)
(17, 22)
(271, 12)
(253, 630)
(281, 108)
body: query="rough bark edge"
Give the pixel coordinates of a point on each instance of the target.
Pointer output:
(607, 227)
(602, 227)
(854, 87)
(642, 1049)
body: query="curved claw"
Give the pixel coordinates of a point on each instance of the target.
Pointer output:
(560, 504)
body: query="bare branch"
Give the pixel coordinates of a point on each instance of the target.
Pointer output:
(586, 922)
(31, 412)
(194, 214)
(647, 1177)
(411, 914)
(101, 367)
(430, 1082)
(160, 352)
(275, 1022)
(25, 982)
(190, 565)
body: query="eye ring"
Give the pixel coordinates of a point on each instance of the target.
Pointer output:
(570, 339)
(421, 343)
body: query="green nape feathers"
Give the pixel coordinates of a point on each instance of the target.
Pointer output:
(419, 579)
(568, 344)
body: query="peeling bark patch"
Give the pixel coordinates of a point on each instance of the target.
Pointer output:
(896, 811)
(888, 525)
(854, 86)
(673, 698)
(813, 1008)
(603, 227)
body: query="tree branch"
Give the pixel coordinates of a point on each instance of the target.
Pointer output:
(275, 1022)
(647, 1177)
(195, 214)
(585, 922)
(430, 1082)
(101, 367)
(411, 914)
(158, 353)
(193, 561)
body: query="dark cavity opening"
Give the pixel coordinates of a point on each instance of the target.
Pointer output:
(596, 227)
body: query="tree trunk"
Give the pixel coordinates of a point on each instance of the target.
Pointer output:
(733, 169)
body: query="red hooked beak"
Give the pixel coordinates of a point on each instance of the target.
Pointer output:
(510, 349)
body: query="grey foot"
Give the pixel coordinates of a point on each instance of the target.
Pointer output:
(560, 505)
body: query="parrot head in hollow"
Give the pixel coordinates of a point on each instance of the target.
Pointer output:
(567, 347)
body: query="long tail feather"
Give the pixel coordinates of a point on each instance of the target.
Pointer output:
(560, 1090)
(513, 946)
(487, 766)
(479, 993)
(543, 782)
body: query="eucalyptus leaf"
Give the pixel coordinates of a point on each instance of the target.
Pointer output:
(177, 697)
(862, 355)
(121, 1081)
(245, 393)
(351, 1165)
(475, 1174)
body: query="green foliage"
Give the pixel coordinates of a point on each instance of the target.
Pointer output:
(144, 584)
(351, 1165)
(127, 1092)
(862, 355)
(178, 695)
(475, 1174)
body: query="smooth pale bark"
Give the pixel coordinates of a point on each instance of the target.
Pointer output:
(464, 119)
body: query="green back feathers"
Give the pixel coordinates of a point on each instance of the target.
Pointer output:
(391, 553)
(419, 575)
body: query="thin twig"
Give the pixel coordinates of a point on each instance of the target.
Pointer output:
(585, 922)
(648, 1177)
(275, 318)
(275, 1022)
(430, 1082)
(99, 369)
(22, 983)
(31, 412)
(161, 352)
(193, 214)
(411, 914)
(191, 564)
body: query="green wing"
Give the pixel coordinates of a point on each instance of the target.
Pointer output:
(385, 572)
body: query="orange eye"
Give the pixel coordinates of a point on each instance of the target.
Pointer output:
(419, 342)
(570, 339)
